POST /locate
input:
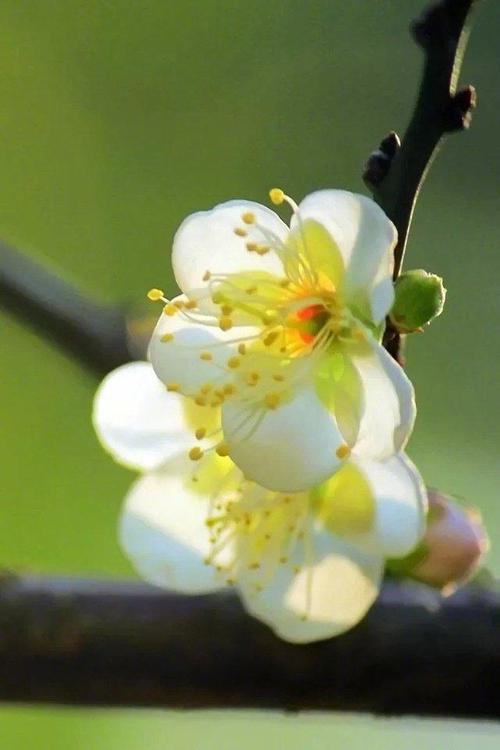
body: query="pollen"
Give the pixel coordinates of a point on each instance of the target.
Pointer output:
(222, 450)
(200, 433)
(167, 337)
(225, 323)
(173, 387)
(200, 401)
(155, 294)
(191, 304)
(227, 309)
(252, 247)
(262, 249)
(240, 232)
(277, 196)
(195, 453)
(272, 400)
(343, 451)
(248, 217)
(233, 362)
(206, 356)
(170, 309)
(229, 389)
(242, 349)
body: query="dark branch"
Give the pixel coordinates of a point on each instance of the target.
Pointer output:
(94, 333)
(128, 644)
(394, 172)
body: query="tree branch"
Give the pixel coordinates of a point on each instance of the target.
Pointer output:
(117, 643)
(93, 333)
(396, 171)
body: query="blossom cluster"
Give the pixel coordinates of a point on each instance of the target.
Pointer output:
(269, 424)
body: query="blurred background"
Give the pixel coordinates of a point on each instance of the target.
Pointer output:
(120, 117)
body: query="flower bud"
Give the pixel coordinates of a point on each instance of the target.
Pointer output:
(419, 297)
(453, 546)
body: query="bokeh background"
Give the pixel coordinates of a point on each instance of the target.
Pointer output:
(120, 117)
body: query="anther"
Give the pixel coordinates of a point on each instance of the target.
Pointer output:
(229, 389)
(206, 276)
(206, 356)
(233, 362)
(252, 247)
(248, 217)
(242, 349)
(222, 450)
(195, 453)
(155, 294)
(167, 337)
(251, 290)
(225, 323)
(227, 309)
(343, 451)
(271, 338)
(277, 196)
(173, 387)
(200, 401)
(170, 309)
(200, 433)
(262, 249)
(191, 304)
(240, 232)
(278, 377)
(272, 400)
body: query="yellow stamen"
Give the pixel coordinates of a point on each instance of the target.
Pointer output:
(240, 232)
(191, 304)
(205, 388)
(248, 217)
(278, 377)
(206, 356)
(222, 450)
(167, 337)
(229, 389)
(227, 309)
(170, 309)
(252, 247)
(272, 400)
(195, 453)
(233, 362)
(242, 349)
(206, 276)
(343, 451)
(200, 433)
(277, 196)
(155, 294)
(173, 387)
(262, 249)
(271, 338)
(225, 323)
(200, 401)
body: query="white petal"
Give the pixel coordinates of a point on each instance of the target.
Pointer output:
(163, 532)
(288, 449)
(136, 420)
(206, 241)
(178, 361)
(334, 592)
(388, 410)
(400, 506)
(366, 239)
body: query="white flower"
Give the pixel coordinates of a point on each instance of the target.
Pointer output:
(308, 564)
(278, 329)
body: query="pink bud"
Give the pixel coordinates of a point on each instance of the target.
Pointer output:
(455, 542)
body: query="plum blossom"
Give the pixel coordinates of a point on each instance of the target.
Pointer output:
(306, 563)
(277, 333)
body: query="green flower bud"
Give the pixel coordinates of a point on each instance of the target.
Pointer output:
(419, 297)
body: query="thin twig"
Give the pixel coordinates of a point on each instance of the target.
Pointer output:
(396, 171)
(128, 644)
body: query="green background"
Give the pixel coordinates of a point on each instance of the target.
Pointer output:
(120, 117)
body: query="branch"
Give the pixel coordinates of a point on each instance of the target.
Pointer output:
(95, 334)
(128, 644)
(396, 171)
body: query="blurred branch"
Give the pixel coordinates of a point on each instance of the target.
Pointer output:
(91, 642)
(94, 333)
(396, 171)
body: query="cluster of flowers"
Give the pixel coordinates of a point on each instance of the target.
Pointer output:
(270, 423)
